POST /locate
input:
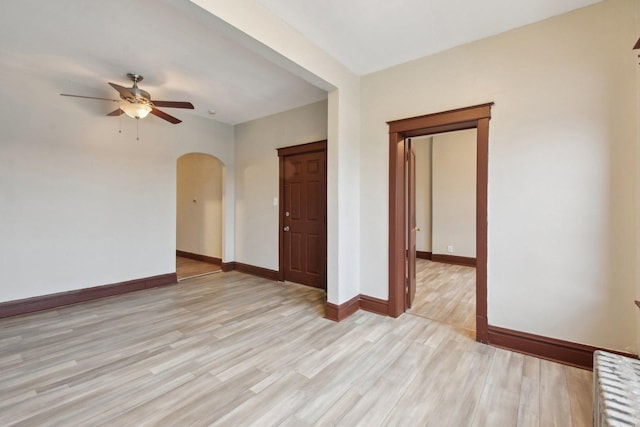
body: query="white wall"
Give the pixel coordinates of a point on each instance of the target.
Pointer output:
(199, 205)
(80, 204)
(454, 193)
(562, 168)
(257, 177)
(422, 146)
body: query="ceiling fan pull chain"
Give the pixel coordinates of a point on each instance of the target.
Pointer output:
(137, 128)
(120, 129)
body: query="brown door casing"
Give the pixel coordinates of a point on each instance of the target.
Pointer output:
(465, 118)
(303, 214)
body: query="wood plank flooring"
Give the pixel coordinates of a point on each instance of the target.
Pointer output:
(230, 349)
(187, 267)
(446, 293)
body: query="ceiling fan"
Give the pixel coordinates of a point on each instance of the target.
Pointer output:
(137, 103)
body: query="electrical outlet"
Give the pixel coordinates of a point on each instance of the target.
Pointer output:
(450, 249)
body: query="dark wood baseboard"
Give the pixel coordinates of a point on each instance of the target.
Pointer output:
(454, 259)
(46, 302)
(363, 302)
(265, 273)
(228, 266)
(423, 255)
(340, 312)
(198, 257)
(569, 353)
(374, 305)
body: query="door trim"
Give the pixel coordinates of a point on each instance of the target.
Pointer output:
(475, 117)
(312, 147)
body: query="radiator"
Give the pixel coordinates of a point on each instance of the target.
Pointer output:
(616, 390)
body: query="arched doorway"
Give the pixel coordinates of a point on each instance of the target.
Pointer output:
(199, 215)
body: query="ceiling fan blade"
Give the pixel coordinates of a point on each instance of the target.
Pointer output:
(116, 113)
(125, 92)
(173, 104)
(165, 116)
(90, 97)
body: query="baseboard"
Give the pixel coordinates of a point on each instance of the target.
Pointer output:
(454, 259)
(423, 255)
(198, 257)
(374, 305)
(569, 353)
(257, 271)
(340, 312)
(46, 302)
(228, 266)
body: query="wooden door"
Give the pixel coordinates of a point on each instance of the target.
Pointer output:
(304, 213)
(411, 223)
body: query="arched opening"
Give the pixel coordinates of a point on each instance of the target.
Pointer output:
(199, 215)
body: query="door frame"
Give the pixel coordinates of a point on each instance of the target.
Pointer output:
(475, 117)
(312, 147)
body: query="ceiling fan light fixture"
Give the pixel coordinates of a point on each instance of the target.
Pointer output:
(136, 110)
(136, 103)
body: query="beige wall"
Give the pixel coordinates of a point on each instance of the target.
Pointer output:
(454, 193)
(257, 177)
(446, 193)
(199, 205)
(638, 182)
(562, 167)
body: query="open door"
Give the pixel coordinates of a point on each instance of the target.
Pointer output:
(411, 222)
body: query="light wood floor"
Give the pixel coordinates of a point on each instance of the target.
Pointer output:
(446, 293)
(233, 350)
(186, 267)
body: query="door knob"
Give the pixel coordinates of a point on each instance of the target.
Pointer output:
(286, 228)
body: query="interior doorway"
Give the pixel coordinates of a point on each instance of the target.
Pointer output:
(476, 117)
(303, 214)
(199, 215)
(445, 221)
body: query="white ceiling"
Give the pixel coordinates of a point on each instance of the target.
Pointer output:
(186, 54)
(370, 35)
(180, 49)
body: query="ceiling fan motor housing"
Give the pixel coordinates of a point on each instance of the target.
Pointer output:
(136, 94)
